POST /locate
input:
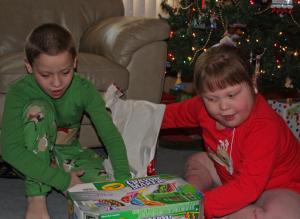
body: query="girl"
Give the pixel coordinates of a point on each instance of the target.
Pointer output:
(251, 165)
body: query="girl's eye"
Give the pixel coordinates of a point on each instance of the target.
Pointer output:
(209, 99)
(232, 95)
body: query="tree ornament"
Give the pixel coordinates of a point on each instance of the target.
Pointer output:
(232, 34)
(282, 6)
(179, 86)
(288, 83)
(178, 79)
(213, 21)
(257, 62)
(198, 22)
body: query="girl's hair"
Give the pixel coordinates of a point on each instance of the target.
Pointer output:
(221, 66)
(51, 39)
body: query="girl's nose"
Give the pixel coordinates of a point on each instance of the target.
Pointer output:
(223, 105)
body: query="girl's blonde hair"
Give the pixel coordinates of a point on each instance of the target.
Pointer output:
(222, 66)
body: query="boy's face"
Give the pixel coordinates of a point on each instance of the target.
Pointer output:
(53, 73)
(229, 106)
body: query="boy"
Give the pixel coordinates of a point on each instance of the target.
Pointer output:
(42, 117)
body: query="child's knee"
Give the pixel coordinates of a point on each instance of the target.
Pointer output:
(197, 159)
(198, 162)
(39, 126)
(280, 203)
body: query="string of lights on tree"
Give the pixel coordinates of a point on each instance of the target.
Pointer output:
(268, 30)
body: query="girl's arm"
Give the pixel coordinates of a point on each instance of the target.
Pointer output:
(185, 114)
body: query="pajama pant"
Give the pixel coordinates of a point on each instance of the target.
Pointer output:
(56, 147)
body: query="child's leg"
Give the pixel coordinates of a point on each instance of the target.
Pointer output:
(37, 208)
(77, 158)
(200, 172)
(39, 136)
(273, 204)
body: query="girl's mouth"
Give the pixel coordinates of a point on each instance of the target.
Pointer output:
(228, 117)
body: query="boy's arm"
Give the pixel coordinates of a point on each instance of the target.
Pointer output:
(15, 152)
(108, 132)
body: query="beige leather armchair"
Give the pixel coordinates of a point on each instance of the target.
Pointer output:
(113, 48)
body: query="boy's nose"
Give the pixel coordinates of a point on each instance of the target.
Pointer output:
(56, 81)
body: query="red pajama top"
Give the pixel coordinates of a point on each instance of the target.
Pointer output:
(260, 154)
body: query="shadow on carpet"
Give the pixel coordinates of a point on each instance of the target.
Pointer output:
(6, 171)
(181, 139)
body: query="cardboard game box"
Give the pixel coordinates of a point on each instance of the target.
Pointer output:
(153, 197)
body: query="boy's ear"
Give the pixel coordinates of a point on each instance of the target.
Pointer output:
(75, 63)
(28, 66)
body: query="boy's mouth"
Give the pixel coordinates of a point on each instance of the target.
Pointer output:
(57, 93)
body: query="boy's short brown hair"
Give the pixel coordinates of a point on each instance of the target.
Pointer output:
(221, 66)
(51, 39)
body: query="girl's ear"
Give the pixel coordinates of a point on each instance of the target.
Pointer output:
(254, 82)
(28, 66)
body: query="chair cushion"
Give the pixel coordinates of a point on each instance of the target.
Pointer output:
(102, 72)
(12, 68)
(19, 17)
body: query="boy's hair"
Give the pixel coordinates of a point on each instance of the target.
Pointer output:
(221, 66)
(51, 39)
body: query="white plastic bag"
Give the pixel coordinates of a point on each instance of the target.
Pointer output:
(139, 124)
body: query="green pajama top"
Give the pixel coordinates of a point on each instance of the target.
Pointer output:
(81, 97)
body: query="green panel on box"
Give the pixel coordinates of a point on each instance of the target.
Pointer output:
(153, 197)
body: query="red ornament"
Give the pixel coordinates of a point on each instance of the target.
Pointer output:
(151, 168)
(282, 6)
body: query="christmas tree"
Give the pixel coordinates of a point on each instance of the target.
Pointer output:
(268, 30)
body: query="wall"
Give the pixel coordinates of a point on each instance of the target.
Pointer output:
(147, 8)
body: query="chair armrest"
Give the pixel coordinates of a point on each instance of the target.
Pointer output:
(118, 38)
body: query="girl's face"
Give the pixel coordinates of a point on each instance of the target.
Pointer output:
(53, 73)
(230, 106)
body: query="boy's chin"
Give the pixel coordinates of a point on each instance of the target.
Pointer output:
(55, 97)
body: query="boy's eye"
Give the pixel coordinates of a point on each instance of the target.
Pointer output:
(45, 75)
(67, 72)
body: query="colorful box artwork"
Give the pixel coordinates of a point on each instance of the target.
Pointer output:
(153, 197)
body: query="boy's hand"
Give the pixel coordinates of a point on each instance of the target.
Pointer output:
(75, 177)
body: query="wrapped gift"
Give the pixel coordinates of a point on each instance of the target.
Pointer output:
(159, 197)
(289, 110)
